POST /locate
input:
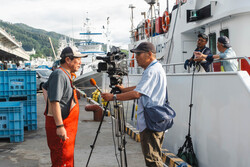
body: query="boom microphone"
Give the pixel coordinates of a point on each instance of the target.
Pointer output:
(93, 82)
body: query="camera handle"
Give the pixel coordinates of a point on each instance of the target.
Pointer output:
(97, 133)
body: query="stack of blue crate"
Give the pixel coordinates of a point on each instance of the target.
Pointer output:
(20, 86)
(11, 121)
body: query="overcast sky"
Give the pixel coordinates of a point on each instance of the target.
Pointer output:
(67, 16)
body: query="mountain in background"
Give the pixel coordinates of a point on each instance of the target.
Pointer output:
(33, 38)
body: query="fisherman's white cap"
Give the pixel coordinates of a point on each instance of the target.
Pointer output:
(68, 51)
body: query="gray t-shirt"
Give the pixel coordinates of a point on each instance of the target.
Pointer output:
(60, 90)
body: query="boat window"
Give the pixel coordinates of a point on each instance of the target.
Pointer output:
(212, 42)
(224, 33)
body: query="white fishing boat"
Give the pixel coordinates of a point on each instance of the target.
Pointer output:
(220, 112)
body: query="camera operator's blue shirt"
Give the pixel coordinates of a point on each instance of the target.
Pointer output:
(152, 86)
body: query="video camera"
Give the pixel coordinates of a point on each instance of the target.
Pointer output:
(114, 64)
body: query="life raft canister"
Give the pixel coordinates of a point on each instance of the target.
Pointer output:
(165, 21)
(132, 62)
(147, 27)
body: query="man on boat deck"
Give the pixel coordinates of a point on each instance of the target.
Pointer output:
(201, 47)
(226, 51)
(149, 91)
(62, 109)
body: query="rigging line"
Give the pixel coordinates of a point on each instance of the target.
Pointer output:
(173, 33)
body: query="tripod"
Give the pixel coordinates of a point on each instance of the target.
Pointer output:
(119, 120)
(188, 155)
(119, 128)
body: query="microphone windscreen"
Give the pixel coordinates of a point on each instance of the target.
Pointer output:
(93, 82)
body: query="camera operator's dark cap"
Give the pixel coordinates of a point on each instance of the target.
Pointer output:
(68, 51)
(225, 41)
(204, 36)
(144, 47)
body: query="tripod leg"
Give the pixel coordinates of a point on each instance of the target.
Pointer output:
(117, 120)
(97, 133)
(124, 138)
(120, 132)
(133, 110)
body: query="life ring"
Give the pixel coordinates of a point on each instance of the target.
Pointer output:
(136, 36)
(132, 62)
(147, 27)
(165, 21)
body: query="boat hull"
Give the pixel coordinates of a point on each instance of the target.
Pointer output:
(219, 121)
(83, 82)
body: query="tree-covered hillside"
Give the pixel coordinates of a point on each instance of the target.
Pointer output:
(33, 38)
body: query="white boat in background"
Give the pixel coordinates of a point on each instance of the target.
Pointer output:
(221, 100)
(89, 65)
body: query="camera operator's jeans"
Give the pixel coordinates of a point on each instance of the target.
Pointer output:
(151, 143)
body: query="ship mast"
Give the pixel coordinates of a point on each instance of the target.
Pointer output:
(167, 9)
(132, 20)
(108, 35)
(152, 11)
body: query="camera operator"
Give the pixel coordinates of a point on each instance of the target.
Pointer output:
(149, 91)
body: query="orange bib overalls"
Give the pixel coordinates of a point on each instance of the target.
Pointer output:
(62, 152)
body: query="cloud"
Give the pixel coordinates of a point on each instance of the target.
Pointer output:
(67, 17)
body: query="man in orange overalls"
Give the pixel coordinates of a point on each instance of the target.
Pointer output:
(62, 109)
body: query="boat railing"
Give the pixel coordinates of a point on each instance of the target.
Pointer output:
(174, 65)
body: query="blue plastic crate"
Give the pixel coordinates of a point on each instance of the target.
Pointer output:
(16, 83)
(11, 121)
(30, 114)
(20, 97)
(12, 68)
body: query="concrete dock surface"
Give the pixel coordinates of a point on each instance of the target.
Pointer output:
(34, 152)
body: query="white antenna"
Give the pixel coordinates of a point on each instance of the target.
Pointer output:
(108, 35)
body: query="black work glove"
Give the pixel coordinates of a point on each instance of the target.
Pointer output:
(186, 64)
(192, 63)
(189, 63)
